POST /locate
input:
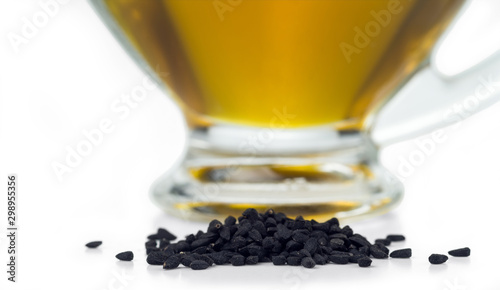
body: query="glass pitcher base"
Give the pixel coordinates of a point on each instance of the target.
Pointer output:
(347, 183)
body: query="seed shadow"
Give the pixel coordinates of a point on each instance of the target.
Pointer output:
(274, 277)
(94, 252)
(437, 269)
(460, 260)
(126, 265)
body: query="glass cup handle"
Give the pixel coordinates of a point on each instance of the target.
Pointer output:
(430, 101)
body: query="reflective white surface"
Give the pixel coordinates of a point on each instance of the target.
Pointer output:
(68, 78)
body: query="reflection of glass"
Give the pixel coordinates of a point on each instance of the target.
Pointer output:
(278, 95)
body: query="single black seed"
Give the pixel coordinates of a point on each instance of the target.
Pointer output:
(252, 260)
(359, 241)
(199, 265)
(225, 233)
(338, 259)
(270, 222)
(219, 258)
(125, 256)
(156, 258)
(283, 232)
(164, 234)
(293, 261)
(172, 262)
(181, 246)
(196, 256)
(437, 259)
(280, 217)
(229, 254)
(244, 228)
(239, 241)
(207, 259)
(251, 214)
(324, 227)
(320, 259)
(462, 252)
(244, 251)
(150, 243)
(347, 231)
(271, 230)
(200, 250)
(278, 260)
(402, 253)
(382, 248)
(260, 227)
(385, 242)
(93, 245)
(308, 262)
(325, 250)
(255, 235)
(190, 238)
(186, 260)
(319, 235)
(151, 249)
(285, 254)
(340, 253)
(364, 250)
(293, 246)
(214, 226)
(333, 221)
(304, 253)
(296, 254)
(164, 243)
(268, 243)
(336, 244)
(377, 253)
(355, 258)
(209, 235)
(230, 220)
(276, 247)
(364, 262)
(217, 246)
(269, 213)
(300, 236)
(322, 242)
(339, 236)
(200, 243)
(334, 229)
(299, 225)
(311, 245)
(395, 238)
(153, 237)
(237, 260)
(256, 250)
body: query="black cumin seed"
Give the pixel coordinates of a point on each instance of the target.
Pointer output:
(125, 256)
(462, 252)
(93, 245)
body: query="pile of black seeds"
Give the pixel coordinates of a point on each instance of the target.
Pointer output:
(271, 238)
(268, 238)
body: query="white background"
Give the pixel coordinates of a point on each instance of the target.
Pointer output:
(64, 80)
